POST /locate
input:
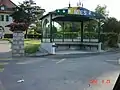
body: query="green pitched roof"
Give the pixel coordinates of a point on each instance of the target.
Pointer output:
(75, 14)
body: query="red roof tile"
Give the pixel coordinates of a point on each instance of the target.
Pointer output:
(7, 3)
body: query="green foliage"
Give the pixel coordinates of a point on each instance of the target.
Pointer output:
(37, 27)
(1, 68)
(66, 35)
(68, 26)
(31, 46)
(28, 12)
(91, 26)
(113, 40)
(54, 29)
(87, 35)
(102, 10)
(110, 39)
(27, 40)
(32, 32)
(20, 15)
(7, 39)
(91, 35)
(111, 25)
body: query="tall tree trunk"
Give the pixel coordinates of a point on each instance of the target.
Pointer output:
(26, 34)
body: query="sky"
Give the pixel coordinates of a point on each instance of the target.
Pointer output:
(113, 6)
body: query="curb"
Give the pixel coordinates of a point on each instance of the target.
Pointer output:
(37, 55)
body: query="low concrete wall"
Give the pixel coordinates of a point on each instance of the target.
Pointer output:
(49, 47)
(61, 47)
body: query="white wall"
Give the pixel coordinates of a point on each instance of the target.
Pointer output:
(48, 47)
(4, 23)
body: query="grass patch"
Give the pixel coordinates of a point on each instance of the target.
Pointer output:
(31, 46)
(2, 66)
(7, 39)
(1, 69)
(31, 49)
(27, 39)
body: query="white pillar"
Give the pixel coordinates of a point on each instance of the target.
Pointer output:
(100, 47)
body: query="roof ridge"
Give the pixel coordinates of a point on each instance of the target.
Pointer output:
(8, 3)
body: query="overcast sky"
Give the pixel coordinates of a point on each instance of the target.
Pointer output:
(113, 6)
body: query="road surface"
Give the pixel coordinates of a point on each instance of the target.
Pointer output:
(62, 72)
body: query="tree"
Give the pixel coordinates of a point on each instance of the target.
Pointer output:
(102, 10)
(71, 27)
(28, 13)
(92, 25)
(112, 27)
(54, 29)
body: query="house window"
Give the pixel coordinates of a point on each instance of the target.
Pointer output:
(2, 8)
(1, 17)
(7, 18)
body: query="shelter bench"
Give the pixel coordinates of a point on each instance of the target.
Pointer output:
(81, 45)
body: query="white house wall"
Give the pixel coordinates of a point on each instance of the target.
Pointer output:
(4, 23)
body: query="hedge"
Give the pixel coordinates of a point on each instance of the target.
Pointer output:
(38, 36)
(66, 35)
(8, 36)
(34, 36)
(92, 35)
(32, 48)
(75, 35)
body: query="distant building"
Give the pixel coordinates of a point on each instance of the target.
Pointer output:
(6, 8)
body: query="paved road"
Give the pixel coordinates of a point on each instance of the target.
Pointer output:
(5, 49)
(62, 72)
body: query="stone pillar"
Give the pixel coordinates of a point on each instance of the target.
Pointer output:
(18, 44)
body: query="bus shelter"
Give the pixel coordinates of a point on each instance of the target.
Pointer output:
(73, 15)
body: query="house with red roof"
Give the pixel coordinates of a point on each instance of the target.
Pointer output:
(6, 8)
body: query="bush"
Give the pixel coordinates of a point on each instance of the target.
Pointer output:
(33, 32)
(66, 35)
(8, 36)
(92, 35)
(34, 36)
(32, 48)
(111, 39)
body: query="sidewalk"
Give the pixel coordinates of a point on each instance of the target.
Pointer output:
(5, 56)
(75, 52)
(5, 49)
